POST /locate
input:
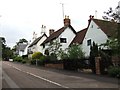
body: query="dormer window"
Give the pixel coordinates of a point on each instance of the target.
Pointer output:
(63, 40)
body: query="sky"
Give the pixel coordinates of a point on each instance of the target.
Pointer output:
(20, 18)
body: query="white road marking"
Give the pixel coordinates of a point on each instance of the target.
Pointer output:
(39, 77)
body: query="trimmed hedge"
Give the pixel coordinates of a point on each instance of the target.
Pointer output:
(18, 59)
(114, 71)
(37, 55)
(75, 64)
(23, 61)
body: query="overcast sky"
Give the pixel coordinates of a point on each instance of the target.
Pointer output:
(20, 18)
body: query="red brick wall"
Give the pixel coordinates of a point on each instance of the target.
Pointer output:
(57, 66)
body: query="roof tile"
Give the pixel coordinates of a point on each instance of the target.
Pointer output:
(79, 37)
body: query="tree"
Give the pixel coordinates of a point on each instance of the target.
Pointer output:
(2, 42)
(114, 15)
(75, 52)
(37, 55)
(6, 51)
(111, 44)
(93, 53)
(22, 41)
(53, 49)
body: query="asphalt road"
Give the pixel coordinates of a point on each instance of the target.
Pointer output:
(24, 76)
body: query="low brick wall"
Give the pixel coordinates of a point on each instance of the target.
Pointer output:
(56, 66)
(115, 60)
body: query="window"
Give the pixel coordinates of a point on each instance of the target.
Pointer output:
(89, 42)
(63, 40)
(43, 45)
(91, 26)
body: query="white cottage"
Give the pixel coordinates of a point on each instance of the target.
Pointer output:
(21, 48)
(35, 46)
(98, 31)
(64, 35)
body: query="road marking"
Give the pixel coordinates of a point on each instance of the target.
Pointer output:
(40, 77)
(48, 80)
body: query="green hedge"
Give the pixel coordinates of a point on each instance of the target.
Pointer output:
(37, 55)
(114, 71)
(23, 61)
(18, 59)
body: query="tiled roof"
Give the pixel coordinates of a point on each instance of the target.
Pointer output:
(57, 33)
(37, 40)
(79, 36)
(109, 28)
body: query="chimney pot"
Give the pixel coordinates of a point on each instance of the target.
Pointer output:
(90, 18)
(51, 31)
(67, 21)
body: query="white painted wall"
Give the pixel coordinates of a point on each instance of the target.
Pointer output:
(26, 50)
(21, 53)
(68, 34)
(95, 34)
(38, 47)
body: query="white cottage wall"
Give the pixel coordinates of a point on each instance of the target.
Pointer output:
(95, 34)
(39, 48)
(69, 35)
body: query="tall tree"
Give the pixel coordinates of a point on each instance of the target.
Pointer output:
(22, 41)
(94, 52)
(6, 51)
(114, 15)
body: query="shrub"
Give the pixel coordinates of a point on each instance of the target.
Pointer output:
(33, 62)
(37, 55)
(18, 59)
(93, 53)
(114, 71)
(41, 61)
(75, 52)
(23, 61)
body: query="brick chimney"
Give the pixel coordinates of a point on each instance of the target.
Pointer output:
(90, 18)
(67, 21)
(51, 31)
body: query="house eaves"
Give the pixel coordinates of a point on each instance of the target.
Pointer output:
(37, 40)
(57, 34)
(108, 27)
(79, 37)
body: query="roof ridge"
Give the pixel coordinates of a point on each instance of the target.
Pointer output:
(79, 36)
(36, 40)
(57, 33)
(108, 27)
(104, 20)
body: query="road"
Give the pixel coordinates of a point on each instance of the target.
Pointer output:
(25, 76)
